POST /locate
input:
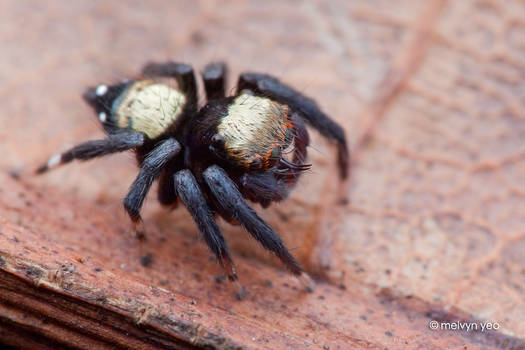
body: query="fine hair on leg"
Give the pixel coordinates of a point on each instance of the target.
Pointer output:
(214, 76)
(181, 72)
(91, 149)
(191, 196)
(231, 201)
(152, 165)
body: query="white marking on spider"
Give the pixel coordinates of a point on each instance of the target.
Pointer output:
(54, 161)
(101, 90)
(102, 117)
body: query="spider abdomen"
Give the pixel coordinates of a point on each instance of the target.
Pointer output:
(148, 107)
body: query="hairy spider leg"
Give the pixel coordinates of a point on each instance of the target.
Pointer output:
(214, 76)
(191, 196)
(182, 73)
(301, 139)
(91, 149)
(151, 167)
(231, 201)
(266, 85)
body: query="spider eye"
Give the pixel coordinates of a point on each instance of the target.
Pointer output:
(272, 158)
(276, 152)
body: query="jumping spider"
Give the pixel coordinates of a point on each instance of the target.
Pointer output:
(234, 148)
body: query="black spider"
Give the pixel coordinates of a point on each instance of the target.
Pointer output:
(212, 159)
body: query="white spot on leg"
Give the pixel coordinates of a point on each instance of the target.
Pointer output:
(101, 90)
(102, 117)
(54, 161)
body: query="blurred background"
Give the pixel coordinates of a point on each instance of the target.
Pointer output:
(431, 95)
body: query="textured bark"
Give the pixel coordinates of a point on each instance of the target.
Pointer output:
(430, 94)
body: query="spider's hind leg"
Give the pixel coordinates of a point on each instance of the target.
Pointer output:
(214, 76)
(266, 85)
(181, 72)
(91, 149)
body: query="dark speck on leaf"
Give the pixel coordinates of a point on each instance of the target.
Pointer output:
(241, 294)
(219, 278)
(15, 174)
(146, 260)
(33, 272)
(344, 201)
(197, 38)
(284, 217)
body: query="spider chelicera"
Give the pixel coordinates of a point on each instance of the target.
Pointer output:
(252, 146)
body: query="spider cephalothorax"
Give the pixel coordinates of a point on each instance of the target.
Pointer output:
(253, 131)
(251, 146)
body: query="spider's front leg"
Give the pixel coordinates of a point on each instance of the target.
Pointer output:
(290, 173)
(263, 187)
(151, 167)
(91, 149)
(301, 139)
(232, 202)
(266, 85)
